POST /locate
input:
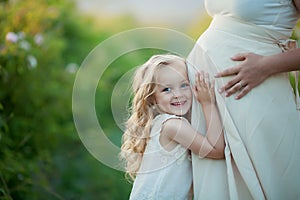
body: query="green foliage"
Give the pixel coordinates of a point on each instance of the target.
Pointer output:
(41, 157)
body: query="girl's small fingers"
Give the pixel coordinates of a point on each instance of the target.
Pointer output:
(196, 79)
(195, 88)
(201, 77)
(206, 77)
(212, 84)
(207, 80)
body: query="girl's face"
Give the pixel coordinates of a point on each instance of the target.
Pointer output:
(173, 94)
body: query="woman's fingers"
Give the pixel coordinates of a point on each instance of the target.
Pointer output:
(238, 86)
(243, 92)
(239, 57)
(228, 72)
(230, 84)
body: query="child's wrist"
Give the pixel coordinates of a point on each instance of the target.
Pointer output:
(208, 104)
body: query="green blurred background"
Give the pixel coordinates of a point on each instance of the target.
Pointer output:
(42, 44)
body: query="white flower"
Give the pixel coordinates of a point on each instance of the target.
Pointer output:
(32, 62)
(72, 68)
(39, 39)
(21, 35)
(25, 45)
(12, 37)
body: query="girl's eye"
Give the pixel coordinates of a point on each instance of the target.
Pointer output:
(184, 85)
(166, 90)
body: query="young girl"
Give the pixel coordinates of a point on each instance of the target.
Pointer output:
(158, 133)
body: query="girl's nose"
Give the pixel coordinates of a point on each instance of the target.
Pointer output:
(177, 93)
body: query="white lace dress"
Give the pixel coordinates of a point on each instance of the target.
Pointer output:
(163, 174)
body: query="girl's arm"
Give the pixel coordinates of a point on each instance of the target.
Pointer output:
(212, 145)
(204, 93)
(255, 69)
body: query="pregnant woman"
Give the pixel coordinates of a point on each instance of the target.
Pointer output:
(262, 129)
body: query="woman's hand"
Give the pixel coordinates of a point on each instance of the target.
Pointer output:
(247, 75)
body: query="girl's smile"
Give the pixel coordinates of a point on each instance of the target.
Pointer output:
(178, 104)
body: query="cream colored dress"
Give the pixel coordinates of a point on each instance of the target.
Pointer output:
(262, 130)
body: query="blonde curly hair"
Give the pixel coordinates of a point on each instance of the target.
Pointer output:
(138, 125)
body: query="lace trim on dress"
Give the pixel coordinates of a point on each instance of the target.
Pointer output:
(176, 154)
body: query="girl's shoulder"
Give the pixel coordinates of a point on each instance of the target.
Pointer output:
(161, 119)
(160, 137)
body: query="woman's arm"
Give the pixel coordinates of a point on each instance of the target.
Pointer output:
(255, 69)
(212, 145)
(297, 4)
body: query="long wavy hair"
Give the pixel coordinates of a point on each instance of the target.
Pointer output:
(138, 125)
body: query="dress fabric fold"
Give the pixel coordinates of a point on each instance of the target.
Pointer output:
(262, 130)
